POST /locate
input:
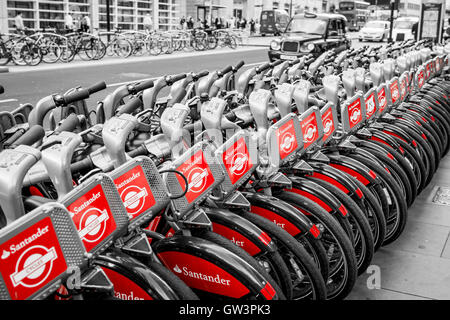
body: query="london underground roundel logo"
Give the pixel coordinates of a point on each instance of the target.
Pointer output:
(287, 142)
(133, 198)
(33, 266)
(355, 115)
(310, 133)
(92, 224)
(197, 179)
(327, 126)
(239, 164)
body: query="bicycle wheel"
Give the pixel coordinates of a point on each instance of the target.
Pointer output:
(5, 56)
(342, 258)
(51, 52)
(308, 282)
(31, 54)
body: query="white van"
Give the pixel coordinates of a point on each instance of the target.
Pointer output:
(403, 28)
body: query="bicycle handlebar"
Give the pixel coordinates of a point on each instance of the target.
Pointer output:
(276, 63)
(239, 65)
(99, 86)
(263, 67)
(34, 134)
(175, 78)
(69, 123)
(76, 95)
(200, 75)
(130, 106)
(224, 71)
(143, 85)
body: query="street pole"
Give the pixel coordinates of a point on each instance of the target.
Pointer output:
(392, 21)
(290, 10)
(108, 18)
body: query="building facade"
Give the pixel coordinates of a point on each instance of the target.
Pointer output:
(248, 9)
(124, 14)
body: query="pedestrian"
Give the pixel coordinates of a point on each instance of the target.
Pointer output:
(217, 23)
(252, 27)
(148, 23)
(198, 24)
(18, 22)
(244, 24)
(68, 22)
(414, 30)
(190, 23)
(85, 23)
(182, 22)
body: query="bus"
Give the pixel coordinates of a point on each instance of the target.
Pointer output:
(273, 22)
(356, 12)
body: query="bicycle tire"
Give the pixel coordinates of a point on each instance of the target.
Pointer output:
(320, 216)
(283, 239)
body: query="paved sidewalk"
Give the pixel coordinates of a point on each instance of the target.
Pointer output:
(417, 265)
(117, 60)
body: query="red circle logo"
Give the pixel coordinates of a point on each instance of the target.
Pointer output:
(239, 164)
(197, 179)
(34, 266)
(133, 198)
(287, 142)
(92, 224)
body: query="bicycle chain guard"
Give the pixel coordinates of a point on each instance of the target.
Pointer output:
(203, 173)
(141, 189)
(98, 212)
(37, 251)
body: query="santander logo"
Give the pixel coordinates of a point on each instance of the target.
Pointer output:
(185, 271)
